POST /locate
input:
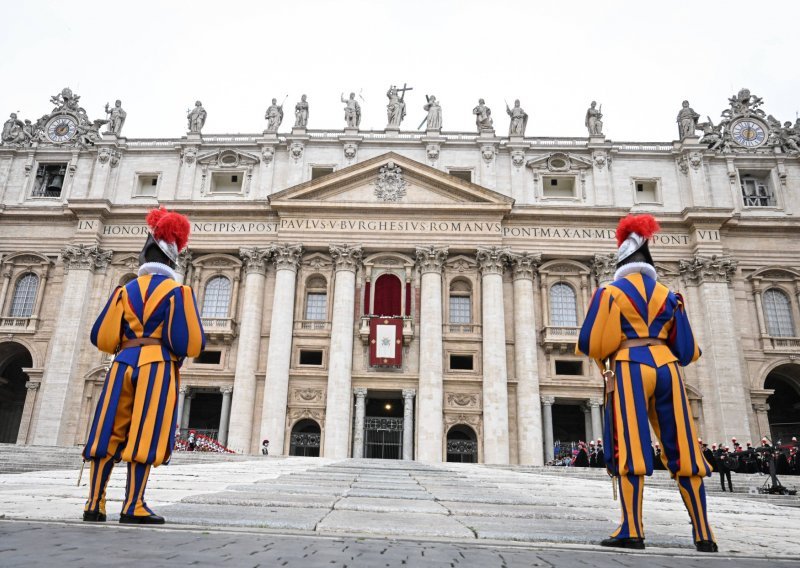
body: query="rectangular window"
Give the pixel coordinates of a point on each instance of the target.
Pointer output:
(646, 191)
(309, 357)
(226, 182)
(317, 306)
(461, 362)
(146, 185)
(208, 358)
(319, 171)
(466, 175)
(460, 309)
(757, 189)
(569, 367)
(49, 180)
(558, 186)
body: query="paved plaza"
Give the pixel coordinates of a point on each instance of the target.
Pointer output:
(315, 512)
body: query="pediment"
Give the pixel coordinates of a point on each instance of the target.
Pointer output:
(559, 162)
(228, 159)
(388, 181)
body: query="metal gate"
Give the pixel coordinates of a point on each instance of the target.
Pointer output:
(304, 444)
(383, 438)
(464, 451)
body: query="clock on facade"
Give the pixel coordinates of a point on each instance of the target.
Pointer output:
(61, 128)
(748, 132)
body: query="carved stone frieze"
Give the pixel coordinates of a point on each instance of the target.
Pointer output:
(346, 257)
(461, 400)
(30, 385)
(189, 155)
(307, 395)
(492, 260)
(255, 259)
(286, 257)
(473, 420)
(702, 269)
(83, 257)
(518, 158)
(390, 185)
(432, 151)
(524, 264)
(296, 150)
(431, 258)
(296, 414)
(487, 153)
(350, 151)
(267, 154)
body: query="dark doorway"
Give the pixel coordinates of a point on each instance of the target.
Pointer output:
(569, 427)
(462, 444)
(383, 428)
(305, 439)
(13, 358)
(205, 413)
(388, 296)
(784, 404)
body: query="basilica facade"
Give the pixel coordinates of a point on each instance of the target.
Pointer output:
(399, 294)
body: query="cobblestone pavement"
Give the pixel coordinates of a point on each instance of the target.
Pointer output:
(480, 511)
(25, 544)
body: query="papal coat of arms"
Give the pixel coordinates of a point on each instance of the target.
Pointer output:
(390, 185)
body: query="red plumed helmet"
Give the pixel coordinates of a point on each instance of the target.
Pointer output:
(643, 225)
(169, 227)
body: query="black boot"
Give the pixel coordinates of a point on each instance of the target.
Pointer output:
(141, 519)
(94, 517)
(632, 543)
(706, 546)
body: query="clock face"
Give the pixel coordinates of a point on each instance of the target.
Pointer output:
(62, 129)
(748, 133)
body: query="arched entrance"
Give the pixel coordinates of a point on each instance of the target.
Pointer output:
(388, 296)
(462, 444)
(13, 358)
(305, 439)
(784, 403)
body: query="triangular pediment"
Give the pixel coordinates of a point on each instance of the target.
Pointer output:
(390, 181)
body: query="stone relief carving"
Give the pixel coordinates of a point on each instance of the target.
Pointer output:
(390, 185)
(189, 155)
(601, 159)
(462, 399)
(196, 118)
(432, 151)
(308, 395)
(700, 269)
(296, 150)
(295, 414)
(350, 151)
(83, 257)
(518, 158)
(473, 420)
(487, 153)
(267, 154)
(492, 260)
(431, 258)
(346, 257)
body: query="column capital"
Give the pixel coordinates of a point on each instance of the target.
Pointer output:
(703, 269)
(184, 260)
(409, 393)
(760, 406)
(524, 264)
(255, 259)
(360, 392)
(226, 390)
(492, 260)
(286, 257)
(184, 390)
(548, 400)
(83, 257)
(595, 402)
(30, 385)
(431, 258)
(346, 257)
(604, 266)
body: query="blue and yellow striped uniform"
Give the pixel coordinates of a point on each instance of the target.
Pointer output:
(136, 412)
(649, 387)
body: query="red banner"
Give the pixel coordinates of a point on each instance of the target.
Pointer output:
(386, 342)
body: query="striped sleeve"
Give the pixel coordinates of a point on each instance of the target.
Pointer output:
(107, 330)
(681, 337)
(601, 332)
(184, 333)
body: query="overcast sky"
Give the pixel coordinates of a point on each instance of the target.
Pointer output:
(640, 59)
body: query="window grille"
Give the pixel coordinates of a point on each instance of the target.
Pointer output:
(778, 313)
(317, 306)
(24, 296)
(563, 309)
(217, 298)
(756, 193)
(460, 309)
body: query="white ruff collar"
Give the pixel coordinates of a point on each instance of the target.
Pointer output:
(633, 267)
(157, 268)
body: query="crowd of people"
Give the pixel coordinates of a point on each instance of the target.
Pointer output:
(195, 442)
(579, 454)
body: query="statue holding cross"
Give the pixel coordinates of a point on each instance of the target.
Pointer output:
(396, 109)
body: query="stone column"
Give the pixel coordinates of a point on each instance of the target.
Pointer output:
(721, 376)
(408, 423)
(587, 421)
(547, 419)
(762, 326)
(529, 411)
(340, 355)
(597, 421)
(4, 289)
(187, 408)
(61, 383)
(276, 385)
(430, 429)
(495, 373)
(358, 428)
(27, 412)
(181, 403)
(603, 268)
(762, 419)
(244, 382)
(225, 416)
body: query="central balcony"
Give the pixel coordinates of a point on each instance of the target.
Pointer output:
(408, 328)
(560, 338)
(9, 325)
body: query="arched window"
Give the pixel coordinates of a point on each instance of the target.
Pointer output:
(462, 444)
(778, 313)
(387, 300)
(127, 278)
(316, 299)
(24, 296)
(563, 309)
(217, 298)
(460, 302)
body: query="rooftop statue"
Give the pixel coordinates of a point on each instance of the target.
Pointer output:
(197, 118)
(483, 117)
(352, 111)
(519, 119)
(301, 113)
(593, 120)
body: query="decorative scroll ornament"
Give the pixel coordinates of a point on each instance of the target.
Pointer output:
(390, 185)
(702, 269)
(462, 399)
(82, 257)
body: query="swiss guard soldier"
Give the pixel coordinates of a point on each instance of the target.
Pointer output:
(151, 324)
(637, 330)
